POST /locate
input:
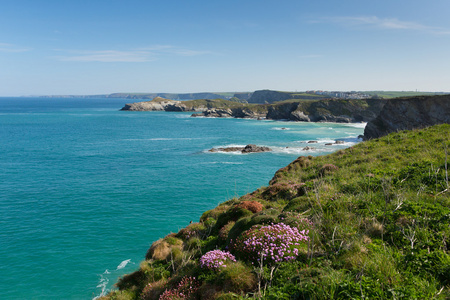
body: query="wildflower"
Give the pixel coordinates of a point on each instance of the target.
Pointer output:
(215, 259)
(271, 244)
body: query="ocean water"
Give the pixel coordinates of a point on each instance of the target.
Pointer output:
(85, 188)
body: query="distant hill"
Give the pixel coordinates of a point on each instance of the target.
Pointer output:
(269, 96)
(172, 96)
(395, 94)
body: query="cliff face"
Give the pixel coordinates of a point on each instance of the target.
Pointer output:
(331, 110)
(162, 104)
(409, 113)
(157, 104)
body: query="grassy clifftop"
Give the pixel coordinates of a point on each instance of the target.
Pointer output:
(368, 222)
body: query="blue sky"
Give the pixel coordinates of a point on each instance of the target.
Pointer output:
(105, 46)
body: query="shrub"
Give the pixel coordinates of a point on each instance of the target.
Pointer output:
(296, 220)
(214, 213)
(328, 168)
(185, 289)
(161, 249)
(153, 290)
(193, 230)
(284, 190)
(237, 278)
(232, 214)
(273, 243)
(216, 259)
(252, 206)
(223, 232)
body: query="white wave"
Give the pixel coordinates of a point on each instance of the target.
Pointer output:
(296, 150)
(325, 140)
(164, 139)
(355, 125)
(229, 146)
(103, 283)
(183, 116)
(123, 264)
(281, 128)
(221, 163)
(225, 152)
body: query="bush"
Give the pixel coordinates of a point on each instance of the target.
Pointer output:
(225, 230)
(216, 259)
(273, 243)
(193, 230)
(237, 278)
(153, 290)
(185, 289)
(252, 206)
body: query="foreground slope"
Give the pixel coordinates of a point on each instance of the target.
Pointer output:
(368, 222)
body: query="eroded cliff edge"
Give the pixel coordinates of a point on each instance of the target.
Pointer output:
(409, 113)
(324, 110)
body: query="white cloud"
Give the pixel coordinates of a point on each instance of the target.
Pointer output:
(146, 54)
(388, 24)
(10, 48)
(108, 56)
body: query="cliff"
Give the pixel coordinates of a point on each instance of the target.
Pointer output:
(348, 225)
(328, 110)
(162, 104)
(409, 113)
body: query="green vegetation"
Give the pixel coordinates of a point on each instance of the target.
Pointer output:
(393, 94)
(376, 217)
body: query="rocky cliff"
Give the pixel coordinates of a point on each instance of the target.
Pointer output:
(329, 110)
(157, 104)
(409, 113)
(162, 104)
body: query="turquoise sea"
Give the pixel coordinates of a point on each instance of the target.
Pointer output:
(86, 188)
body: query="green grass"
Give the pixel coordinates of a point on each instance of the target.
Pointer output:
(380, 214)
(395, 94)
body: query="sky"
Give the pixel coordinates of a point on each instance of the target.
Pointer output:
(85, 47)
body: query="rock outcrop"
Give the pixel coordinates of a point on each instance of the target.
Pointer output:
(409, 113)
(247, 149)
(237, 112)
(328, 110)
(157, 104)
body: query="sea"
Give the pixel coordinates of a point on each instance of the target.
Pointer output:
(86, 188)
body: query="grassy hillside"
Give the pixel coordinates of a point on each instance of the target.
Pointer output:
(368, 222)
(395, 94)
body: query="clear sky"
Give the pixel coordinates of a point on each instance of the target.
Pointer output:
(106, 46)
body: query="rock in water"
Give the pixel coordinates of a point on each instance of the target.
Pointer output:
(253, 148)
(247, 149)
